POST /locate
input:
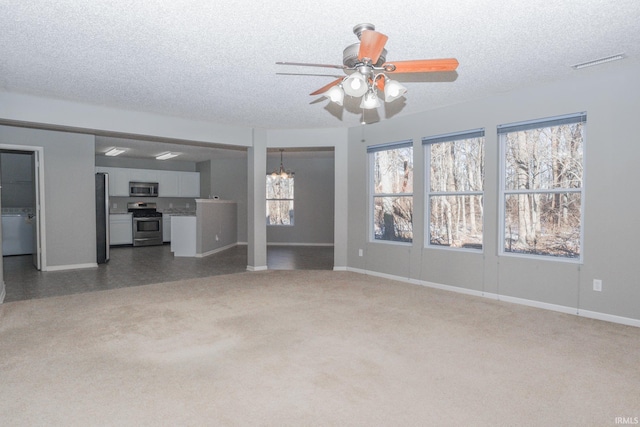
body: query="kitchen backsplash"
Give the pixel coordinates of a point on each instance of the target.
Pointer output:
(164, 204)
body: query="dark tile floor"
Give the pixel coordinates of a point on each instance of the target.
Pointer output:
(131, 266)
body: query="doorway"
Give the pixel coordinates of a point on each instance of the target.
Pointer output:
(21, 205)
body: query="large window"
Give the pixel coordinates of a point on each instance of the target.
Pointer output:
(542, 188)
(455, 185)
(280, 199)
(391, 167)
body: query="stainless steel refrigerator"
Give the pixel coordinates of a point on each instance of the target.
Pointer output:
(102, 217)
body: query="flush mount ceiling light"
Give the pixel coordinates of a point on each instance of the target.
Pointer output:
(599, 61)
(281, 172)
(168, 155)
(114, 152)
(366, 68)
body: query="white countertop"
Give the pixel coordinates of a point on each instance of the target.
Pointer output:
(214, 201)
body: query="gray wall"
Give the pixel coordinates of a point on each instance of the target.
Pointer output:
(205, 177)
(69, 192)
(609, 94)
(313, 197)
(216, 226)
(229, 182)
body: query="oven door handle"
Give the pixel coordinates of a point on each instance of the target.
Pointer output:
(156, 218)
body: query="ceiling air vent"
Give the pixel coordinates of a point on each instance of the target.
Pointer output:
(599, 61)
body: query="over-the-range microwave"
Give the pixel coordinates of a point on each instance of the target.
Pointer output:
(143, 189)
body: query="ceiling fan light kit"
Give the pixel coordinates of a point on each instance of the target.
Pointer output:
(335, 94)
(366, 65)
(393, 90)
(370, 100)
(355, 85)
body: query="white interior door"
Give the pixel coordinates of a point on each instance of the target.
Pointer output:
(35, 220)
(39, 246)
(2, 289)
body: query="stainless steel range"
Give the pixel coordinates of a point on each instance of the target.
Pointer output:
(147, 224)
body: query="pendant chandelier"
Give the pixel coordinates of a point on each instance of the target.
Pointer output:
(282, 172)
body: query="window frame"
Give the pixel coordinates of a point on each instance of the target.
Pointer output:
(371, 150)
(503, 129)
(292, 200)
(426, 144)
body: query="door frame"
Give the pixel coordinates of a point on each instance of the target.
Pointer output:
(40, 231)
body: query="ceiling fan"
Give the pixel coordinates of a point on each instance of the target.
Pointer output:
(366, 66)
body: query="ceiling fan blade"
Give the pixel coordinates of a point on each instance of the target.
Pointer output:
(309, 74)
(380, 84)
(422, 65)
(327, 87)
(371, 45)
(306, 64)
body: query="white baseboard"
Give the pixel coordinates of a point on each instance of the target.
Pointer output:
(258, 268)
(70, 267)
(514, 300)
(215, 251)
(340, 268)
(538, 304)
(609, 318)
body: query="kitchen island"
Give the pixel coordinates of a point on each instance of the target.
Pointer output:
(212, 229)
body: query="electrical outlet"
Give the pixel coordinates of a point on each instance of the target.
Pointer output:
(115, 206)
(187, 205)
(597, 285)
(170, 205)
(360, 252)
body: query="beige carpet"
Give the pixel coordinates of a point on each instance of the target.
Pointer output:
(308, 348)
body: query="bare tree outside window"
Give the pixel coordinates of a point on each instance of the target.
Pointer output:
(392, 173)
(279, 200)
(455, 190)
(543, 184)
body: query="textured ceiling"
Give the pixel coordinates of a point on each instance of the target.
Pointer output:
(215, 61)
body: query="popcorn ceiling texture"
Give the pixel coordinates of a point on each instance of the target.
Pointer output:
(215, 61)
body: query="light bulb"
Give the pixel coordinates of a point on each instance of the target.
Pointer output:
(335, 94)
(370, 100)
(393, 90)
(355, 85)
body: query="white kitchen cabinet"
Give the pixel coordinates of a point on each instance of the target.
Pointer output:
(118, 180)
(120, 229)
(189, 184)
(168, 183)
(143, 175)
(184, 241)
(166, 228)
